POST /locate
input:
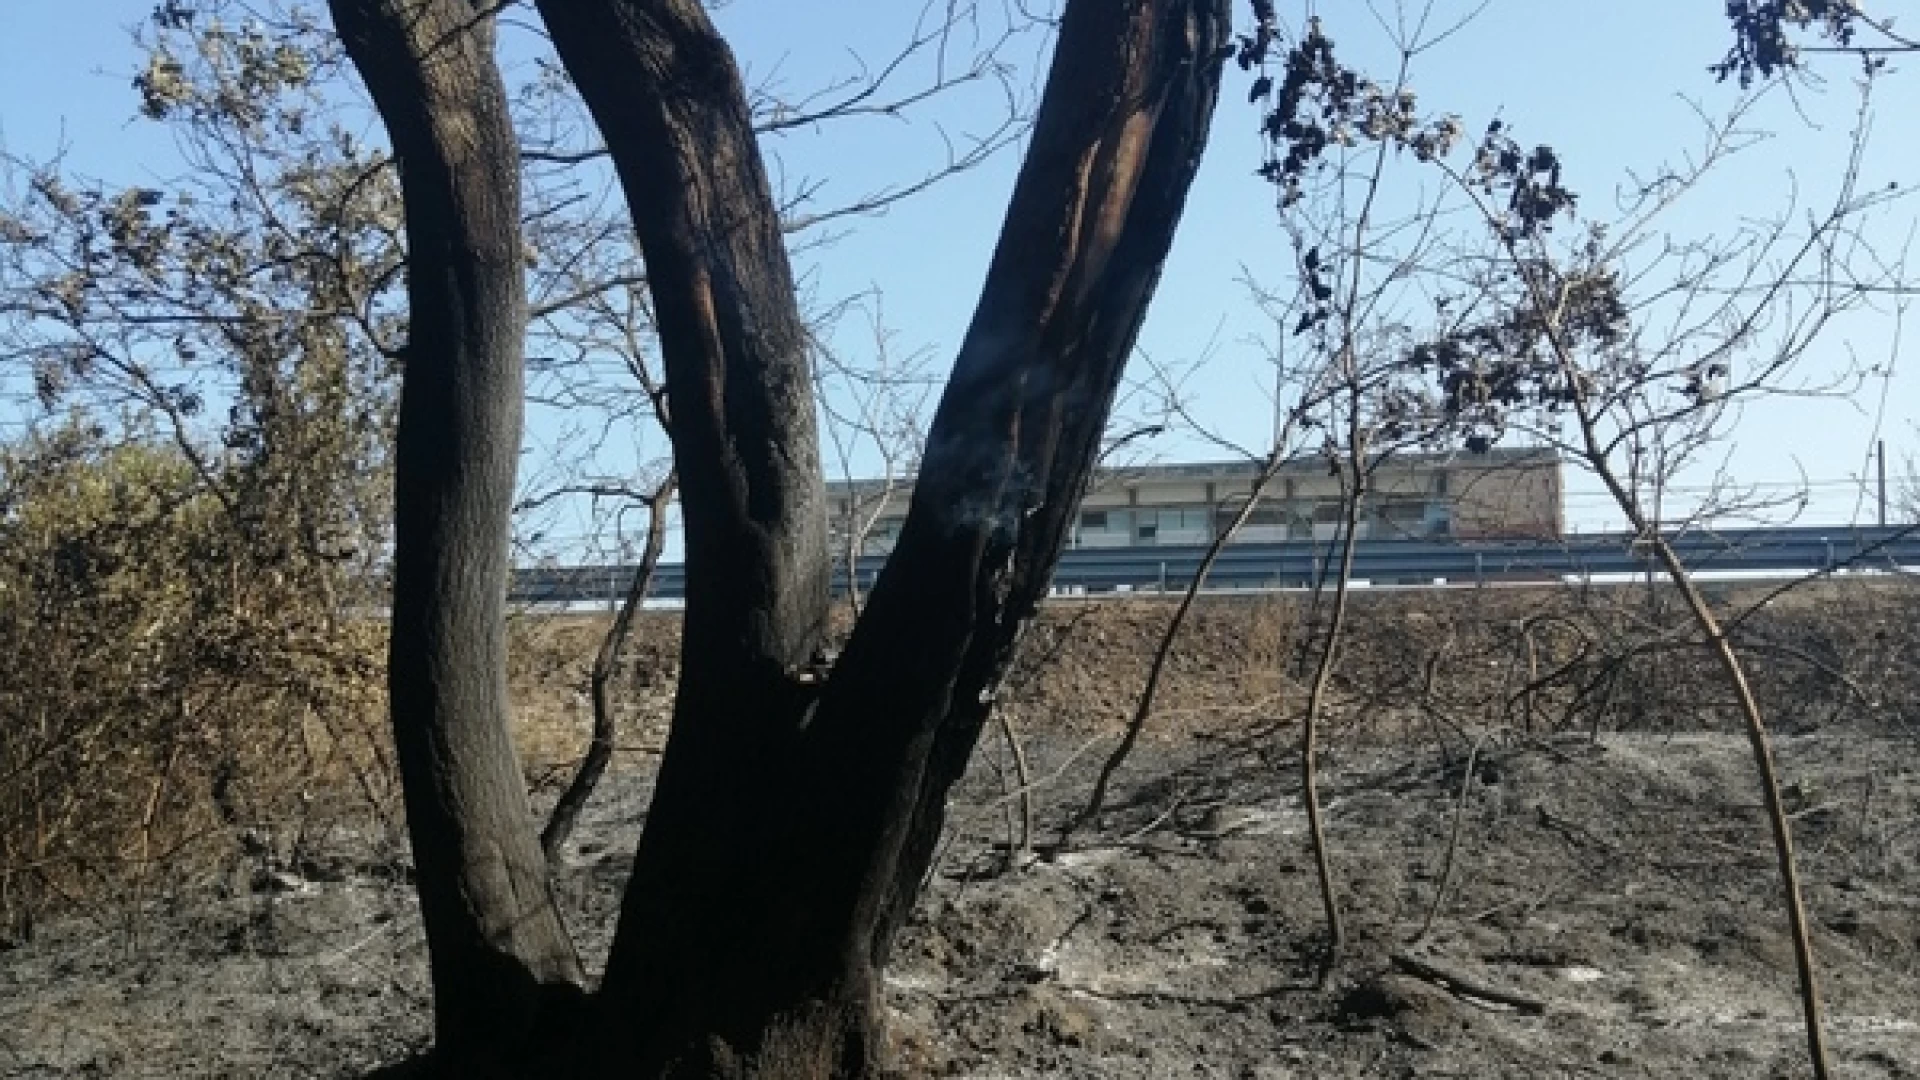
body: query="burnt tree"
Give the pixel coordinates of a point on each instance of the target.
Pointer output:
(794, 816)
(497, 945)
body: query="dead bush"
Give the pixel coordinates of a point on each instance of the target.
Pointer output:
(183, 686)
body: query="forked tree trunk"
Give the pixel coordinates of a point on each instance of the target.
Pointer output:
(792, 822)
(500, 954)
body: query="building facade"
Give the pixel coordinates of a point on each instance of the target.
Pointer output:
(1499, 494)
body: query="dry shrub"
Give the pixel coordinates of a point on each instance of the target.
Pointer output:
(1626, 658)
(1416, 662)
(181, 680)
(549, 670)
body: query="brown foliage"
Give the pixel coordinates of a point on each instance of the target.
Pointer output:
(181, 687)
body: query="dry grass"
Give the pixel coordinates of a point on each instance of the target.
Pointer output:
(1600, 659)
(271, 735)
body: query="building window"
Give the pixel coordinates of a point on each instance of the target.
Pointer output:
(1262, 515)
(1149, 530)
(1093, 519)
(1406, 512)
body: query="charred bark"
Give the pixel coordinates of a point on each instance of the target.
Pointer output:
(692, 969)
(789, 831)
(791, 820)
(1124, 120)
(500, 953)
(665, 91)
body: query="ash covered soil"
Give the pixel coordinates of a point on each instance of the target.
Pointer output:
(1612, 908)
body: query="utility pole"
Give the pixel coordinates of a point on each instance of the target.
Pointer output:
(1881, 462)
(1279, 386)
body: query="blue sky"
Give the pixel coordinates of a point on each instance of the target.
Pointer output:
(1607, 84)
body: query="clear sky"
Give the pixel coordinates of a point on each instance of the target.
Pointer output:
(1613, 86)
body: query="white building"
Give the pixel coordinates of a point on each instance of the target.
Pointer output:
(1502, 493)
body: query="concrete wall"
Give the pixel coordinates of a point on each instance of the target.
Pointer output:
(1516, 500)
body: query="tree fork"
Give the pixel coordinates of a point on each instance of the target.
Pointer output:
(793, 817)
(785, 905)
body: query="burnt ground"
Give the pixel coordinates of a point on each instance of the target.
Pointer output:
(1626, 887)
(1619, 893)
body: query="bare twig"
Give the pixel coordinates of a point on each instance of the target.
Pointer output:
(1467, 987)
(1453, 845)
(1143, 706)
(566, 812)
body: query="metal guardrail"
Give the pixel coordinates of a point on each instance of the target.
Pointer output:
(1800, 549)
